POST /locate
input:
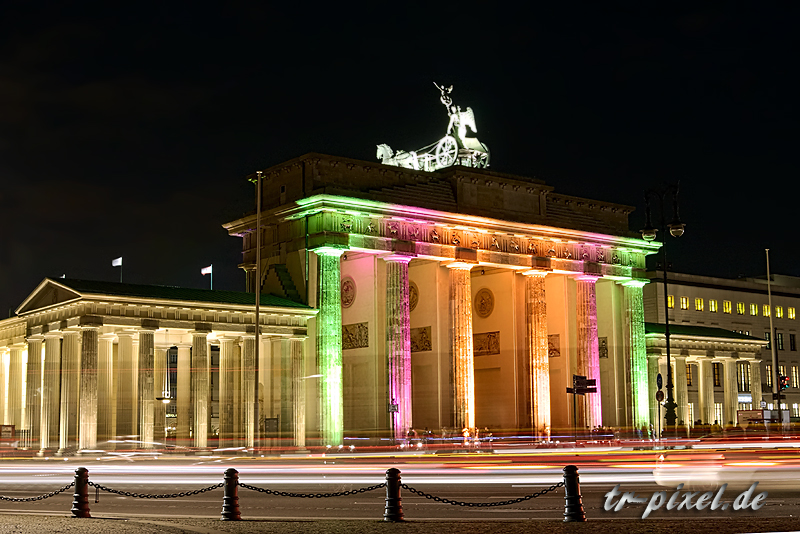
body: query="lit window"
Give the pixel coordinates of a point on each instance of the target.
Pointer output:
(726, 306)
(698, 304)
(766, 336)
(766, 310)
(782, 370)
(671, 302)
(754, 309)
(718, 413)
(779, 312)
(784, 406)
(684, 303)
(717, 375)
(769, 376)
(780, 340)
(795, 410)
(770, 406)
(691, 412)
(740, 308)
(712, 306)
(791, 313)
(795, 377)
(688, 374)
(792, 342)
(743, 376)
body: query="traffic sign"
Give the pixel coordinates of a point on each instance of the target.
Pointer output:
(659, 381)
(659, 395)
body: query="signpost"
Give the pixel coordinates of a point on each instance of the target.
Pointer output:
(580, 386)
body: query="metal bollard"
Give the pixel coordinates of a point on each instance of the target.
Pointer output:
(80, 499)
(394, 504)
(573, 509)
(230, 501)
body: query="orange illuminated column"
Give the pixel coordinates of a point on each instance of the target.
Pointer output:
(398, 343)
(87, 434)
(107, 368)
(33, 391)
(536, 338)
(184, 395)
(461, 345)
(588, 348)
(3, 381)
(705, 389)
(14, 390)
(249, 389)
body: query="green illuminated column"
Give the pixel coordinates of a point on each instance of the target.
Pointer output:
(298, 392)
(329, 347)
(640, 397)
(33, 391)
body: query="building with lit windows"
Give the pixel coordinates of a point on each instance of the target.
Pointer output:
(733, 317)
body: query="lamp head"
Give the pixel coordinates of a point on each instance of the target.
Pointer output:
(648, 233)
(676, 228)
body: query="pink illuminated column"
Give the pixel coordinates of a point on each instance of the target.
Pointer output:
(536, 338)
(588, 349)
(461, 345)
(398, 344)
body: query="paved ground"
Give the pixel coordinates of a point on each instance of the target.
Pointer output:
(40, 523)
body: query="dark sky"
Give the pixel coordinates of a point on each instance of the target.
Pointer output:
(129, 131)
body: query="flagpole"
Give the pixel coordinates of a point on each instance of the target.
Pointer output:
(120, 273)
(212, 277)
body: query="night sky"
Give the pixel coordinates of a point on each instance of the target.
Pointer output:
(129, 131)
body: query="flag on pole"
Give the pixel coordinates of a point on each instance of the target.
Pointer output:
(117, 262)
(208, 270)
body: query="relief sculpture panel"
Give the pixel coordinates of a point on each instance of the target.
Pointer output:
(421, 339)
(486, 343)
(355, 336)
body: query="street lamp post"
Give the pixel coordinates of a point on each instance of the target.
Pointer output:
(676, 228)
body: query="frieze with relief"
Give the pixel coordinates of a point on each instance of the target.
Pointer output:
(355, 336)
(421, 339)
(486, 343)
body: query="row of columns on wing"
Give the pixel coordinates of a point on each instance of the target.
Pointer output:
(79, 389)
(461, 342)
(705, 382)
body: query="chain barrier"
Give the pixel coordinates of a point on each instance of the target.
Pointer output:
(40, 497)
(482, 504)
(313, 495)
(155, 496)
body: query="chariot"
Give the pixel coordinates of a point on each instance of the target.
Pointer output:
(459, 146)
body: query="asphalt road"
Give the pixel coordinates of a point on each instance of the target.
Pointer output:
(467, 478)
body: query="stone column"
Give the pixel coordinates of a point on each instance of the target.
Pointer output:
(15, 374)
(652, 386)
(227, 370)
(538, 359)
(200, 388)
(398, 344)
(160, 381)
(298, 392)
(461, 345)
(249, 391)
(637, 352)
(128, 389)
(588, 348)
(705, 389)
(51, 397)
(107, 369)
(681, 392)
(87, 436)
(70, 369)
(3, 384)
(755, 383)
(329, 347)
(147, 393)
(730, 386)
(184, 396)
(33, 392)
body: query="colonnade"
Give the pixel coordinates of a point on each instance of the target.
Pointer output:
(76, 388)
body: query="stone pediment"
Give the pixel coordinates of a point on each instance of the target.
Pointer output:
(47, 294)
